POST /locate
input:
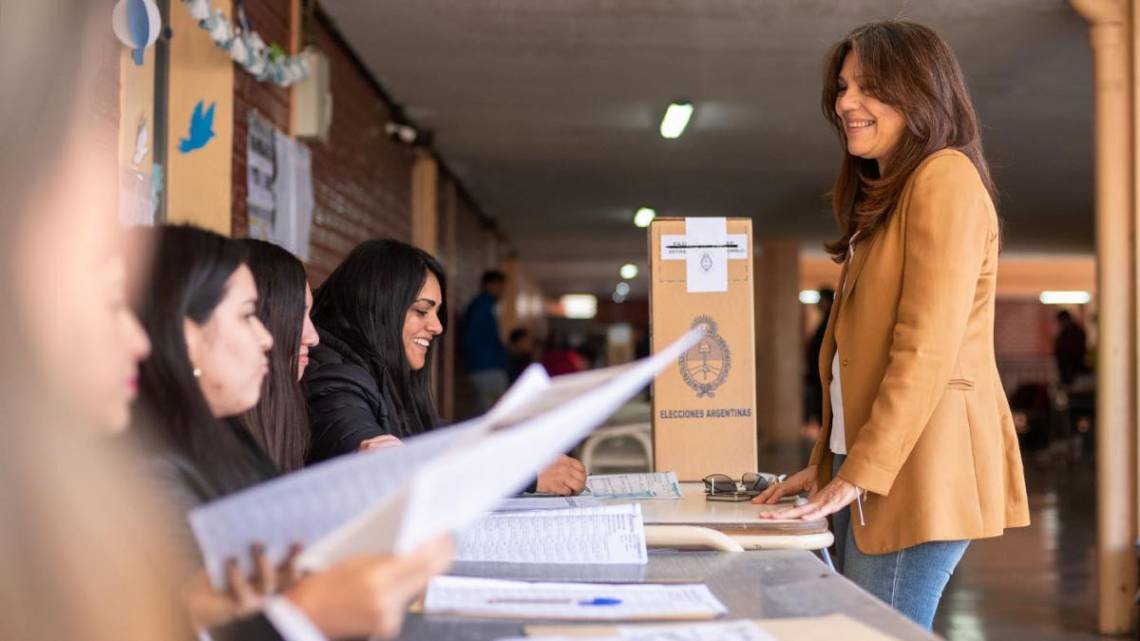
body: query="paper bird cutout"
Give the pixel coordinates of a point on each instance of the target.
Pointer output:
(201, 129)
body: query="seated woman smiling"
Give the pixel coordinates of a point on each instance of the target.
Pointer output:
(369, 383)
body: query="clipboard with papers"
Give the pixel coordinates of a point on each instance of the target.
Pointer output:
(391, 501)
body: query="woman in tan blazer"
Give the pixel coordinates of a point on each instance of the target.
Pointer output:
(918, 438)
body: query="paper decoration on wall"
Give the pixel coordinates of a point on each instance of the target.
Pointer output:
(201, 128)
(279, 187)
(136, 198)
(142, 143)
(260, 167)
(136, 24)
(246, 47)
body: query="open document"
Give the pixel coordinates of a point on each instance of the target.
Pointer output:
(652, 485)
(392, 500)
(468, 596)
(600, 535)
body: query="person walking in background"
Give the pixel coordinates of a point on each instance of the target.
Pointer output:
(483, 350)
(1069, 348)
(917, 433)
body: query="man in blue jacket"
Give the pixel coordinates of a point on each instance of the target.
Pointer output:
(483, 350)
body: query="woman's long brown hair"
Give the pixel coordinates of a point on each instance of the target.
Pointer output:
(909, 67)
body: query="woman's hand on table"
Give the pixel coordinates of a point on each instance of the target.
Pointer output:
(565, 477)
(834, 496)
(381, 442)
(805, 480)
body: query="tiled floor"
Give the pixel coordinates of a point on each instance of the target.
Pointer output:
(1035, 583)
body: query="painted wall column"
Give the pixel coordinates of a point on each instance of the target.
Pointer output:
(199, 151)
(451, 264)
(425, 201)
(1113, 46)
(779, 346)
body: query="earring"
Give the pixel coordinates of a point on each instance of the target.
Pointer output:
(197, 372)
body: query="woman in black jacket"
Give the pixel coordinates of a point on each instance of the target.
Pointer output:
(378, 315)
(369, 384)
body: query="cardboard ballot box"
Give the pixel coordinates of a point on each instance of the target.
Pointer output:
(704, 406)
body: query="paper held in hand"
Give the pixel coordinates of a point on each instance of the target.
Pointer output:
(393, 500)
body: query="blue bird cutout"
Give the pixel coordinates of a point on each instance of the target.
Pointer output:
(201, 129)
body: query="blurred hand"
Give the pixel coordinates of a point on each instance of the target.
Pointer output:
(368, 595)
(210, 608)
(380, 442)
(806, 480)
(565, 477)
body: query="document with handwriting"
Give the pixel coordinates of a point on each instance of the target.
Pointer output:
(653, 485)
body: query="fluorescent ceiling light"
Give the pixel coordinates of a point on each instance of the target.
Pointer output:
(644, 216)
(676, 119)
(579, 305)
(628, 271)
(622, 288)
(809, 297)
(1064, 298)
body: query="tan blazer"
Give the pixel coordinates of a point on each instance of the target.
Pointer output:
(928, 428)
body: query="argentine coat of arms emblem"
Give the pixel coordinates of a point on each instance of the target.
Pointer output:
(704, 367)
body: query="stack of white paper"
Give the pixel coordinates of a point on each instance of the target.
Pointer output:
(585, 601)
(393, 500)
(656, 485)
(603, 535)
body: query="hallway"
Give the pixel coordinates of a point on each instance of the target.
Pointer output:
(1036, 583)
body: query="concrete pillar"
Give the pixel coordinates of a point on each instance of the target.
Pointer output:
(425, 202)
(779, 352)
(1113, 46)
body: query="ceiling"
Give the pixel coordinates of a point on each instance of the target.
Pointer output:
(548, 111)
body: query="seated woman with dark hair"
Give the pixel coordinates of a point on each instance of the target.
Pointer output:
(378, 316)
(199, 305)
(280, 420)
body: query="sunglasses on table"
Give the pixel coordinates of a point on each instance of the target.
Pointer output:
(749, 482)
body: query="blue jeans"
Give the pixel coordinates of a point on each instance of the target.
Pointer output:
(910, 580)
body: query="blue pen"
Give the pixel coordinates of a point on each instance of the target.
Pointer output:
(601, 600)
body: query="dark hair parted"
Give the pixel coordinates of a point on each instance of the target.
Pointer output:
(909, 67)
(187, 281)
(280, 420)
(365, 303)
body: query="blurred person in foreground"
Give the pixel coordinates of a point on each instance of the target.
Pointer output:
(80, 549)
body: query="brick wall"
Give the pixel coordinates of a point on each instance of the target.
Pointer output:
(270, 19)
(361, 179)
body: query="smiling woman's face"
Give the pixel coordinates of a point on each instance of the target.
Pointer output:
(229, 349)
(422, 324)
(872, 128)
